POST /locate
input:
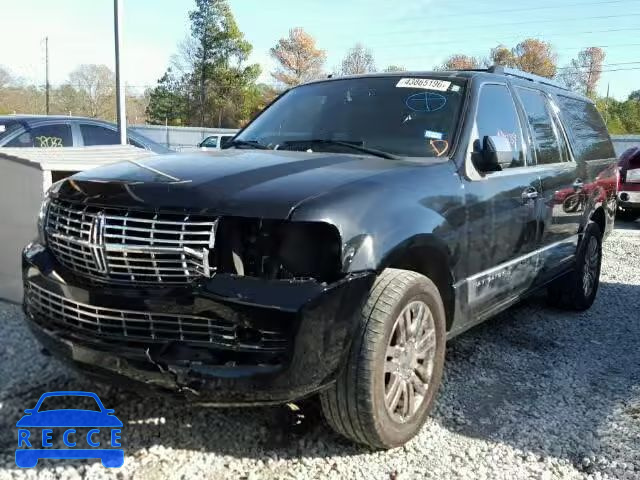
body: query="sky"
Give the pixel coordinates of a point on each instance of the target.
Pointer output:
(417, 34)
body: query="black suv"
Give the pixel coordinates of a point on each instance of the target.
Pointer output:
(333, 247)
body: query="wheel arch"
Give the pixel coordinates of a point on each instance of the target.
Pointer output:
(428, 256)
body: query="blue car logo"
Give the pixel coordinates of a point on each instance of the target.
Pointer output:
(36, 432)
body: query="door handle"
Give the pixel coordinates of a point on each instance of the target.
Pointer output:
(529, 194)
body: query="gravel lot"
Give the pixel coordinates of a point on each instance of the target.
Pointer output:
(535, 393)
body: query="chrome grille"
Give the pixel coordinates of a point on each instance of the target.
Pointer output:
(145, 326)
(122, 245)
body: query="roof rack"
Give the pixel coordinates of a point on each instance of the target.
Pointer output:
(514, 72)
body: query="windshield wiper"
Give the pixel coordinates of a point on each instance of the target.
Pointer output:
(246, 143)
(351, 145)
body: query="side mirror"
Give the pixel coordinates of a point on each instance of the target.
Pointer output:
(495, 155)
(29, 411)
(109, 411)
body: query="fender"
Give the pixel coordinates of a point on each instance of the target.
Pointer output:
(420, 206)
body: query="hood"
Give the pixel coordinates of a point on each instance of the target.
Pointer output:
(252, 183)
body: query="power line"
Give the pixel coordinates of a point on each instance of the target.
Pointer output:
(603, 65)
(621, 69)
(525, 22)
(579, 48)
(526, 9)
(519, 36)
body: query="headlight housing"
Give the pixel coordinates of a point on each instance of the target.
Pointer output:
(42, 220)
(44, 210)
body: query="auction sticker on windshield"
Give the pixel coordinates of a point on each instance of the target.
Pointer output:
(424, 83)
(86, 432)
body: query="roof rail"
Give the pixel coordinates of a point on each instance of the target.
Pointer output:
(514, 72)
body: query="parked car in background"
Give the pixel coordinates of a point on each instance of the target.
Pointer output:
(332, 248)
(629, 188)
(48, 131)
(214, 142)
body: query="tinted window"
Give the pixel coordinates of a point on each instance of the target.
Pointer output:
(589, 134)
(497, 117)
(415, 117)
(542, 127)
(225, 139)
(97, 135)
(46, 136)
(560, 133)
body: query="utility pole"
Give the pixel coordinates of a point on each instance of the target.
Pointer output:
(120, 92)
(46, 74)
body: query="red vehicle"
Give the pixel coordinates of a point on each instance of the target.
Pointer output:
(629, 187)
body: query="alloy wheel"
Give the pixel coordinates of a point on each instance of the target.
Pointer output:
(409, 361)
(591, 263)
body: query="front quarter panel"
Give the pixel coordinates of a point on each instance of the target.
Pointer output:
(414, 206)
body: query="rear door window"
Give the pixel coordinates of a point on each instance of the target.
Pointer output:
(589, 135)
(98, 135)
(543, 129)
(45, 136)
(497, 116)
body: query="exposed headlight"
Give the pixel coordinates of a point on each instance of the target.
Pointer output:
(310, 250)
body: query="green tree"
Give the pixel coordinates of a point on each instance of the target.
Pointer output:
(210, 85)
(220, 50)
(167, 102)
(621, 117)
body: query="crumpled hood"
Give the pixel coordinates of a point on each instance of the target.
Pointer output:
(252, 183)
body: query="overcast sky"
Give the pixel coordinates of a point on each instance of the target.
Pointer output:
(417, 34)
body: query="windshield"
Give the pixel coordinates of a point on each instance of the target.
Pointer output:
(413, 117)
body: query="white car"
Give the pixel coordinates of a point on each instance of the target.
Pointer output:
(214, 142)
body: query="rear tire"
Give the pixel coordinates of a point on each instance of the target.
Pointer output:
(577, 290)
(387, 387)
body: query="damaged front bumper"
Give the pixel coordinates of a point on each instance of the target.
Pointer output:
(227, 340)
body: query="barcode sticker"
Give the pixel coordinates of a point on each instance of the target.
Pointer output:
(424, 83)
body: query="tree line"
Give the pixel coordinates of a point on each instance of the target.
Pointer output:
(211, 83)
(90, 91)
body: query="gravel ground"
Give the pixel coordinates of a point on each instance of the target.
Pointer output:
(535, 393)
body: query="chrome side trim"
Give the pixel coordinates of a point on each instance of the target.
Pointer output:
(515, 261)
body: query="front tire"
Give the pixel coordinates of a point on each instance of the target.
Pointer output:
(387, 387)
(577, 290)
